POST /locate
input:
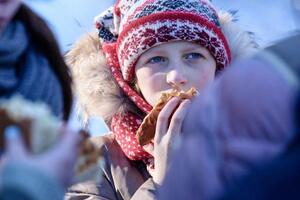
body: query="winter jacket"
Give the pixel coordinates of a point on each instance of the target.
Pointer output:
(121, 179)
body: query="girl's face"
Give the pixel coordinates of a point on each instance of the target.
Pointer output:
(175, 64)
(8, 8)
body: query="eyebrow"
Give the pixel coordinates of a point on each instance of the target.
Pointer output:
(191, 49)
(151, 51)
(162, 52)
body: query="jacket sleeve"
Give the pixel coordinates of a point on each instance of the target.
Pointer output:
(121, 178)
(92, 190)
(147, 191)
(105, 191)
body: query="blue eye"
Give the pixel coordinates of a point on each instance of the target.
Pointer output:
(156, 60)
(193, 56)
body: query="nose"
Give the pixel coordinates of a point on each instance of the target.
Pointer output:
(176, 78)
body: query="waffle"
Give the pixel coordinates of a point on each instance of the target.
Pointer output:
(146, 131)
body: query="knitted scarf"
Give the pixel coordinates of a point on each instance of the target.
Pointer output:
(124, 127)
(25, 71)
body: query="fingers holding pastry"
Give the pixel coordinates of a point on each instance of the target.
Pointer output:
(146, 131)
(177, 119)
(149, 148)
(164, 117)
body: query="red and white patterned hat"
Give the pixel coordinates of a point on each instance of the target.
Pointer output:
(134, 26)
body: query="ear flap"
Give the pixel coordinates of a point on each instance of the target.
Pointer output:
(241, 43)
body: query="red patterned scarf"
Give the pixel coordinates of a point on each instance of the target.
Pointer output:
(124, 129)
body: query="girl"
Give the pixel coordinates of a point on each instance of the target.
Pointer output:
(147, 47)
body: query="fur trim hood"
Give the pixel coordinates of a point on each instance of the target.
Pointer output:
(98, 95)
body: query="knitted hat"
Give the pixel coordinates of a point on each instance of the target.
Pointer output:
(138, 25)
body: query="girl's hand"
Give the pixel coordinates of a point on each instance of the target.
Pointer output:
(168, 129)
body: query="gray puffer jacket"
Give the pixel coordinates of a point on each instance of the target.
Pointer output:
(121, 179)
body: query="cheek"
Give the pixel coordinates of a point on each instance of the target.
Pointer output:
(203, 78)
(151, 85)
(157, 82)
(150, 79)
(207, 78)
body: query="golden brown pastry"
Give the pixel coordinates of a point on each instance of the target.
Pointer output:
(146, 131)
(38, 126)
(40, 131)
(88, 153)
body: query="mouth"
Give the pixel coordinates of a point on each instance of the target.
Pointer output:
(176, 89)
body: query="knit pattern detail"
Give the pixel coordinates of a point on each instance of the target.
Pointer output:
(161, 28)
(124, 129)
(145, 8)
(112, 60)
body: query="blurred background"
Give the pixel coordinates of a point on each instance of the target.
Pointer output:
(270, 20)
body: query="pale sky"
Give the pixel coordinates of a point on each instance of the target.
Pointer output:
(269, 19)
(70, 19)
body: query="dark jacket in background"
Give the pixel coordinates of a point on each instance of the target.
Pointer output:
(281, 178)
(260, 111)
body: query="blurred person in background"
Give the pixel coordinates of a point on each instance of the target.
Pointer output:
(31, 66)
(250, 149)
(30, 60)
(37, 177)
